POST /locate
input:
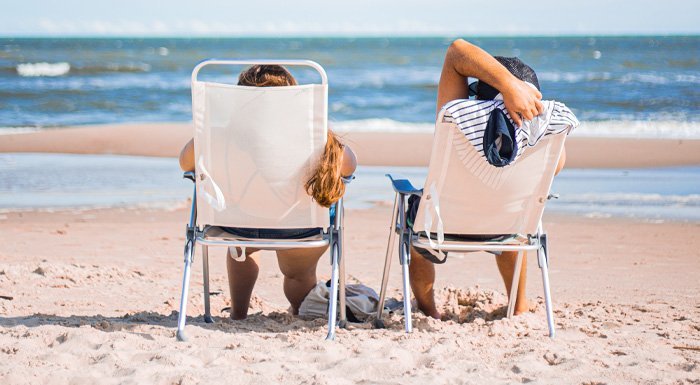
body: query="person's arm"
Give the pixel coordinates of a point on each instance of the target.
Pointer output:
(348, 162)
(464, 60)
(187, 156)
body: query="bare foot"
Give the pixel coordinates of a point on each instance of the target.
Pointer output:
(430, 311)
(524, 307)
(235, 317)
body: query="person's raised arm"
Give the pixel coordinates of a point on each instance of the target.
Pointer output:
(187, 156)
(464, 60)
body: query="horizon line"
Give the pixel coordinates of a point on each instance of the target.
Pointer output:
(343, 35)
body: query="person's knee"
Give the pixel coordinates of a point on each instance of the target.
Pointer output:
(300, 274)
(299, 264)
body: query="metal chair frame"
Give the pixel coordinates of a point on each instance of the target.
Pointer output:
(407, 238)
(331, 236)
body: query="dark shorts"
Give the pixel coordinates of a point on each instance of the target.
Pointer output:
(247, 232)
(255, 233)
(412, 210)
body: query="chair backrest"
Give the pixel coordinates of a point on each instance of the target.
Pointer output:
(475, 197)
(254, 149)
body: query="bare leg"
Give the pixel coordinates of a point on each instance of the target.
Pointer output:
(422, 274)
(299, 269)
(241, 280)
(506, 266)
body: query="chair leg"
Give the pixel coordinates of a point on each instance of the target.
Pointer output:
(333, 300)
(514, 285)
(378, 322)
(205, 273)
(342, 323)
(543, 262)
(406, 288)
(182, 316)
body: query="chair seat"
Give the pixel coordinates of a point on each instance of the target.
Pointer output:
(215, 235)
(473, 242)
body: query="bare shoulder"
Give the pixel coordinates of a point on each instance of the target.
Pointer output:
(349, 162)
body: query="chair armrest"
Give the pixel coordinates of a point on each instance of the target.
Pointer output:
(189, 175)
(404, 186)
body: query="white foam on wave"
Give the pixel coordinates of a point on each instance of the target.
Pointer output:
(639, 129)
(604, 129)
(18, 130)
(122, 82)
(381, 125)
(43, 69)
(633, 199)
(630, 77)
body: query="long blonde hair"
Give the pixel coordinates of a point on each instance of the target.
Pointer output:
(325, 184)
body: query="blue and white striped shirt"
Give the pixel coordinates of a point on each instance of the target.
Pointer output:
(471, 116)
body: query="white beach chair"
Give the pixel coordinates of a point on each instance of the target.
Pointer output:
(254, 148)
(466, 195)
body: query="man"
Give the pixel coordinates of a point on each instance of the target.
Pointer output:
(523, 103)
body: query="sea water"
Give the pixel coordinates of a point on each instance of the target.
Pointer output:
(55, 181)
(617, 86)
(375, 83)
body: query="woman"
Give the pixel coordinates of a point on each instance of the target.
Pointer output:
(326, 187)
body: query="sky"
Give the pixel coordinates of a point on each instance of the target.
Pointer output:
(347, 18)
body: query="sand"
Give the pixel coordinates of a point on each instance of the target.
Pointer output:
(91, 296)
(372, 148)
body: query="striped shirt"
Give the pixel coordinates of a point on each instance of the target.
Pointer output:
(471, 116)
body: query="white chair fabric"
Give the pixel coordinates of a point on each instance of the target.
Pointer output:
(478, 198)
(252, 160)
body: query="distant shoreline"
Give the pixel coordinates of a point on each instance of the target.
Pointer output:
(372, 148)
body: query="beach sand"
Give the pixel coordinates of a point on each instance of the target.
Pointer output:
(91, 296)
(372, 148)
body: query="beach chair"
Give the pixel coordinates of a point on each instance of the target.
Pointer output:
(254, 147)
(465, 195)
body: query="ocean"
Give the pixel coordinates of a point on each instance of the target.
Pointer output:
(375, 83)
(617, 86)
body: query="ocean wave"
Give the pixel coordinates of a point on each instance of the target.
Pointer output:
(112, 68)
(84, 84)
(421, 77)
(18, 130)
(64, 68)
(381, 125)
(607, 129)
(631, 199)
(639, 129)
(43, 69)
(630, 77)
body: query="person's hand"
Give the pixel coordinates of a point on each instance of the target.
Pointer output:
(522, 101)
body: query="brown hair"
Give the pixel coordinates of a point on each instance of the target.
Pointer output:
(266, 76)
(325, 184)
